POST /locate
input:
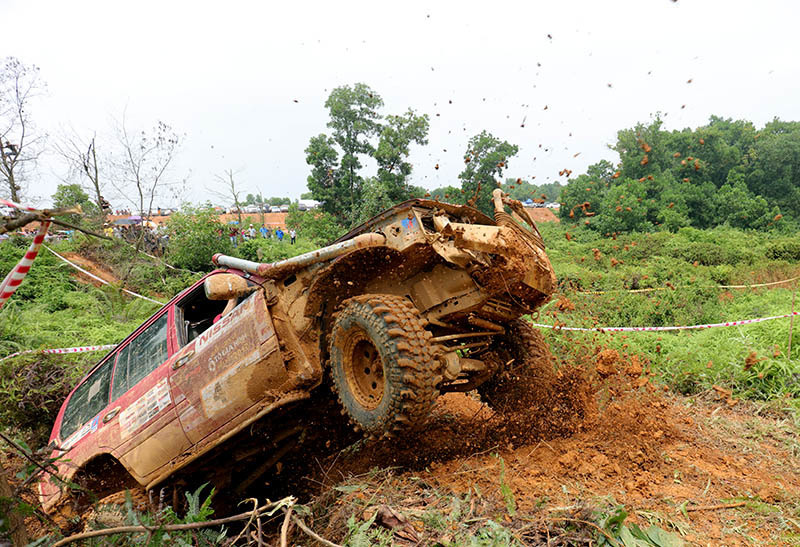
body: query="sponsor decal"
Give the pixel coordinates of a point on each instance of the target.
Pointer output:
(145, 408)
(218, 395)
(221, 326)
(88, 427)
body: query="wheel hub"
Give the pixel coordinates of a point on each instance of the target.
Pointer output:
(364, 371)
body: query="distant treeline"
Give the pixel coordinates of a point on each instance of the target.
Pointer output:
(725, 172)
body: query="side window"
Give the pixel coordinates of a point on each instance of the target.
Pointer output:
(90, 398)
(141, 356)
(196, 313)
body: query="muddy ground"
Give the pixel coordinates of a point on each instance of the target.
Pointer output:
(714, 470)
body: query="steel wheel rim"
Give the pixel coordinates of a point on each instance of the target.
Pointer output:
(363, 370)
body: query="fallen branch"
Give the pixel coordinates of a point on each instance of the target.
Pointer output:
(253, 514)
(84, 230)
(38, 216)
(19, 222)
(285, 526)
(168, 528)
(300, 524)
(716, 507)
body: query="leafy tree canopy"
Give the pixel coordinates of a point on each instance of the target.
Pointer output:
(485, 159)
(195, 235)
(725, 172)
(69, 195)
(359, 130)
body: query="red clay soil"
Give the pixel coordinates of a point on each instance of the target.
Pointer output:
(542, 214)
(92, 267)
(610, 436)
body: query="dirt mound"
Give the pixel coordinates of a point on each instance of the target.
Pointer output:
(91, 267)
(537, 403)
(542, 214)
(603, 431)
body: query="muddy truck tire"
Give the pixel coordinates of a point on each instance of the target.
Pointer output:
(384, 367)
(519, 354)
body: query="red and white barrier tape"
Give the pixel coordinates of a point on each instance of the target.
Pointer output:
(18, 206)
(100, 279)
(658, 329)
(79, 349)
(14, 278)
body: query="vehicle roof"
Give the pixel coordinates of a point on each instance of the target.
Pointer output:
(463, 210)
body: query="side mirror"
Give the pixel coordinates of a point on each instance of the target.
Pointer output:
(226, 287)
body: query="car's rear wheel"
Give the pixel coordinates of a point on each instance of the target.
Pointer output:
(384, 367)
(520, 353)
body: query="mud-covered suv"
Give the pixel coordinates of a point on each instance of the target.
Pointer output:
(418, 301)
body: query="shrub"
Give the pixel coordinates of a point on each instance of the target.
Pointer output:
(784, 249)
(195, 235)
(270, 250)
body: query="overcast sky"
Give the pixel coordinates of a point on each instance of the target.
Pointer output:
(246, 82)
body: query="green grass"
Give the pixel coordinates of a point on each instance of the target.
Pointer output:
(694, 262)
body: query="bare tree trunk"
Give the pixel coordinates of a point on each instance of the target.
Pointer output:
(94, 176)
(16, 523)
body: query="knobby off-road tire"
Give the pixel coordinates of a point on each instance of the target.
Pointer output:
(384, 367)
(519, 354)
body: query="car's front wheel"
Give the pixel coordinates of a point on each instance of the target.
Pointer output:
(384, 367)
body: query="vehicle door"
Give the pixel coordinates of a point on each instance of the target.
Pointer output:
(229, 361)
(144, 432)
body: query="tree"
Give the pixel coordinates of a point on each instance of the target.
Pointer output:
(376, 196)
(450, 194)
(523, 190)
(486, 158)
(773, 168)
(19, 145)
(194, 237)
(336, 179)
(231, 192)
(325, 181)
(623, 209)
(145, 163)
(581, 194)
(68, 195)
(393, 150)
(353, 119)
(82, 159)
(737, 206)
(319, 227)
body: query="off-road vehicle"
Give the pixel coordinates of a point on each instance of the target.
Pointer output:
(423, 299)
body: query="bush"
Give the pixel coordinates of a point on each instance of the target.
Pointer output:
(195, 235)
(784, 249)
(270, 250)
(319, 227)
(34, 396)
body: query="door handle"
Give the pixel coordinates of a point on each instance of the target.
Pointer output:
(182, 361)
(110, 415)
